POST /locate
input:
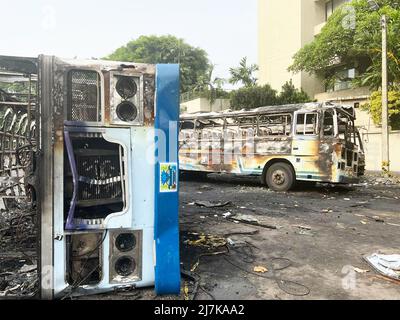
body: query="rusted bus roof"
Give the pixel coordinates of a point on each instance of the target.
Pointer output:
(25, 65)
(289, 108)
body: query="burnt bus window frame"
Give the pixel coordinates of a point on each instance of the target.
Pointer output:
(288, 124)
(303, 124)
(100, 97)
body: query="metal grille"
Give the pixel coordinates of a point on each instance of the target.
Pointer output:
(84, 91)
(17, 144)
(18, 209)
(99, 179)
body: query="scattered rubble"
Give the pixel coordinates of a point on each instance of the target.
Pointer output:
(18, 257)
(227, 215)
(379, 180)
(20, 283)
(251, 220)
(209, 204)
(260, 269)
(374, 218)
(358, 270)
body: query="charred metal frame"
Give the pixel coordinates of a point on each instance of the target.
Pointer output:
(139, 198)
(113, 151)
(18, 149)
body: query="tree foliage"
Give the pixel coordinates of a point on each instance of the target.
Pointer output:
(290, 94)
(352, 36)
(374, 107)
(253, 97)
(210, 87)
(193, 61)
(260, 96)
(244, 74)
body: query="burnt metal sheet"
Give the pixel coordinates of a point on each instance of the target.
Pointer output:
(46, 175)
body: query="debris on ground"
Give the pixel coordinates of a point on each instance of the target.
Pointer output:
(303, 227)
(358, 270)
(20, 283)
(251, 220)
(18, 256)
(260, 269)
(393, 224)
(304, 230)
(205, 241)
(387, 265)
(209, 204)
(227, 215)
(379, 180)
(206, 188)
(340, 225)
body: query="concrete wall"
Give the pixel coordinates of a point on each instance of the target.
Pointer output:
(312, 14)
(349, 96)
(373, 150)
(203, 105)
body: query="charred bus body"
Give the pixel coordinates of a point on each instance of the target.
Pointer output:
(282, 144)
(98, 195)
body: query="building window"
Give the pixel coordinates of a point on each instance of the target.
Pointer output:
(328, 9)
(343, 80)
(331, 6)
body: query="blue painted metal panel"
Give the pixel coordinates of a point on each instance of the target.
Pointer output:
(167, 269)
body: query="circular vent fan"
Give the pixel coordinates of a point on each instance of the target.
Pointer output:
(127, 111)
(125, 242)
(126, 87)
(125, 266)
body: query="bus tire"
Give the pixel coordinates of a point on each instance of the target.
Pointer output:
(280, 177)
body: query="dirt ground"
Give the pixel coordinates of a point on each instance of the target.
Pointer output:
(240, 240)
(311, 241)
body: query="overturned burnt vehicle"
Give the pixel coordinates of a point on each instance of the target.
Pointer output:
(311, 142)
(83, 155)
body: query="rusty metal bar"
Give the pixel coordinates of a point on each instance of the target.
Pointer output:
(29, 104)
(17, 104)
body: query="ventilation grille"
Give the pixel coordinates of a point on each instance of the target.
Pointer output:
(84, 92)
(99, 178)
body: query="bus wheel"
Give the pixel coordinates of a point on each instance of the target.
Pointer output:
(280, 177)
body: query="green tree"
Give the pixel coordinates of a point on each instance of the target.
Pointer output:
(208, 87)
(193, 61)
(244, 74)
(253, 97)
(290, 94)
(352, 37)
(375, 108)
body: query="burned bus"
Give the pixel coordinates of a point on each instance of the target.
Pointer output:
(79, 167)
(282, 144)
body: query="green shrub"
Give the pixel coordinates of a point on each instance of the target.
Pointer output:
(374, 107)
(253, 97)
(261, 96)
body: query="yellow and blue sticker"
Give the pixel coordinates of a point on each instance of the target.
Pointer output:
(168, 177)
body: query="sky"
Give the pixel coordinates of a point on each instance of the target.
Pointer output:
(226, 29)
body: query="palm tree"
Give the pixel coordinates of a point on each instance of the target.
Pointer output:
(207, 83)
(244, 74)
